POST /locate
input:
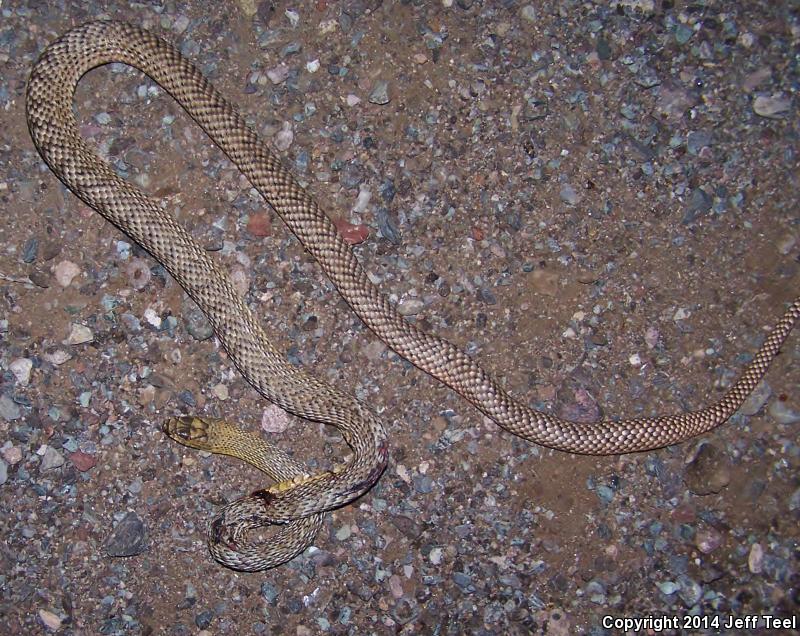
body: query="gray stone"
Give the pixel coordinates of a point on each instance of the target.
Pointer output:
(380, 93)
(51, 459)
(9, 410)
(128, 538)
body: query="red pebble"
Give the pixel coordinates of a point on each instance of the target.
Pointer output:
(82, 461)
(259, 224)
(353, 234)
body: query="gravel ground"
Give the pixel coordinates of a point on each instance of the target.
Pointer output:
(598, 200)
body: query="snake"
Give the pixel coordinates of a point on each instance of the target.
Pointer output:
(293, 506)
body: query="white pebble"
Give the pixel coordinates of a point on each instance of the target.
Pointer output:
(220, 391)
(681, 314)
(294, 16)
(21, 368)
(352, 100)
(635, 360)
(278, 74)
(284, 137)
(312, 66)
(65, 271)
(58, 357)
(364, 197)
(50, 620)
(755, 560)
(274, 420)
(152, 317)
(79, 334)
(328, 26)
(402, 473)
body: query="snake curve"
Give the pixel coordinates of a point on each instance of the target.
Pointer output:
(295, 505)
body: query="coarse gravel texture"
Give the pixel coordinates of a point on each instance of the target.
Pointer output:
(597, 199)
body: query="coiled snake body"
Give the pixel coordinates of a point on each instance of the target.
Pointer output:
(296, 502)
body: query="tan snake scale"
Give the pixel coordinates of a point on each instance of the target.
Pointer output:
(295, 505)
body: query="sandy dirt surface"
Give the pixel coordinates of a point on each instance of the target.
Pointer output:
(596, 200)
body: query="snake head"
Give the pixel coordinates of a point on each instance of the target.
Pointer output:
(188, 430)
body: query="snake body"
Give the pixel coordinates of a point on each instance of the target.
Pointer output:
(297, 501)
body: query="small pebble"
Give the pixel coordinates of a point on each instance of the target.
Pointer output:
(138, 273)
(9, 410)
(50, 620)
(259, 224)
(708, 472)
(21, 368)
(278, 74)
(51, 459)
(128, 537)
(380, 93)
(269, 592)
(79, 334)
(690, 591)
(410, 306)
(30, 250)
(786, 244)
(343, 533)
(651, 337)
(285, 136)
(773, 107)
(707, 540)
(396, 586)
(197, 324)
(668, 587)
(274, 419)
(65, 272)
(151, 317)
(204, 618)
(220, 391)
(135, 487)
(353, 234)
(753, 80)
(58, 357)
(464, 581)
(181, 24)
(755, 560)
(528, 12)
(12, 454)
(683, 33)
(82, 461)
(569, 195)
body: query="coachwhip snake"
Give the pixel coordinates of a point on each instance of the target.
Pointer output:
(296, 502)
